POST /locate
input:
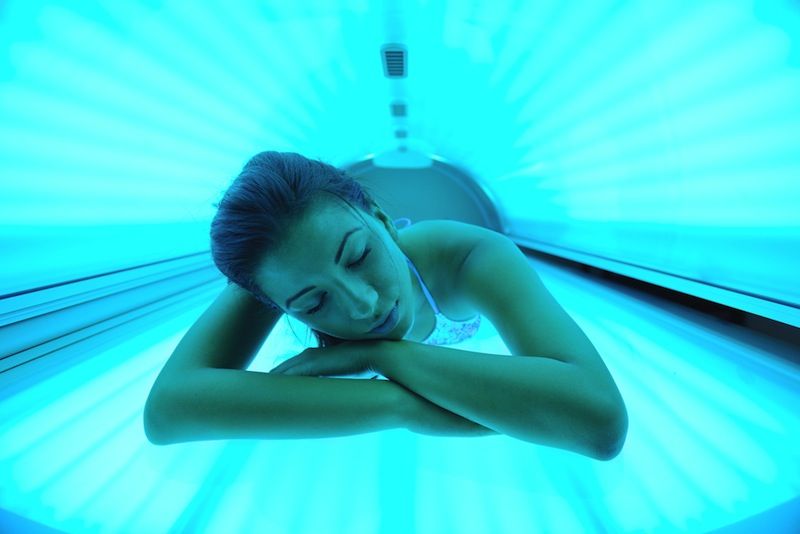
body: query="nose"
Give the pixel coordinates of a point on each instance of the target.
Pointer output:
(362, 302)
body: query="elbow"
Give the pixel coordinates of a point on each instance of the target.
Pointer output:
(153, 420)
(612, 432)
(154, 436)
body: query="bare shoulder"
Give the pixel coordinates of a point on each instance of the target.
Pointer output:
(439, 248)
(448, 238)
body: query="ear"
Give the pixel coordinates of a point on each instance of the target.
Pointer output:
(384, 219)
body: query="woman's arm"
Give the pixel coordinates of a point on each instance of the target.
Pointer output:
(424, 417)
(211, 403)
(204, 392)
(555, 390)
(536, 399)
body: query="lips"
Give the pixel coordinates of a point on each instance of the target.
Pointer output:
(386, 318)
(382, 324)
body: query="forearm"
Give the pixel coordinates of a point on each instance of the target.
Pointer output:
(540, 400)
(424, 417)
(210, 403)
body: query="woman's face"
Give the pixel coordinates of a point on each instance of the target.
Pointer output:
(340, 273)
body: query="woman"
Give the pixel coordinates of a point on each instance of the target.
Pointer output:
(300, 237)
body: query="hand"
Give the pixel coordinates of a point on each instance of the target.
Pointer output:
(348, 358)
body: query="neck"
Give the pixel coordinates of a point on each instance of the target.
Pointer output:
(421, 306)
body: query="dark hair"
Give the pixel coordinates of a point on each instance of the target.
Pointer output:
(269, 194)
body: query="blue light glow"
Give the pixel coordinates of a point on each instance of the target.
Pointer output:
(657, 139)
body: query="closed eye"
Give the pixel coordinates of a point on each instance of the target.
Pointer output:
(356, 263)
(362, 258)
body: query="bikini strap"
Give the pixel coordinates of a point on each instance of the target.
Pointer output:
(424, 288)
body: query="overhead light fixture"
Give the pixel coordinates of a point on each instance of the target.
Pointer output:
(395, 60)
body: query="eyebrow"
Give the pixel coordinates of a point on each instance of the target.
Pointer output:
(336, 261)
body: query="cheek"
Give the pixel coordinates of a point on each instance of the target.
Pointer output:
(386, 273)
